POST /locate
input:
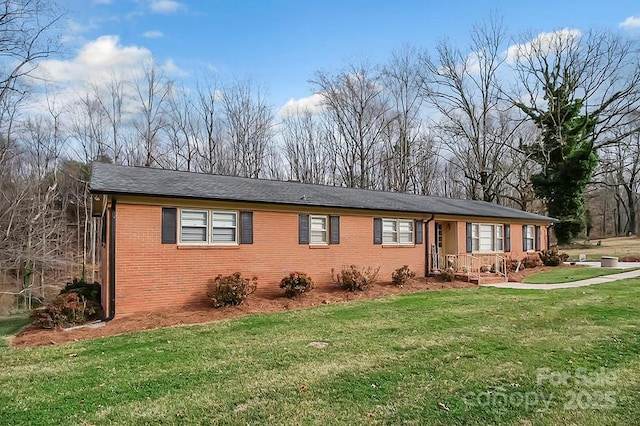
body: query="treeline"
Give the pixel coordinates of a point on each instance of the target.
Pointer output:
(497, 121)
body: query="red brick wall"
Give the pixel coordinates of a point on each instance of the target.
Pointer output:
(151, 275)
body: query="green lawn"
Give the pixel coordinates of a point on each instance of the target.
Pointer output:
(565, 275)
(10, 325)
(471, 356)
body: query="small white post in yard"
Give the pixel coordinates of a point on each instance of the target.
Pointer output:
(582, 257)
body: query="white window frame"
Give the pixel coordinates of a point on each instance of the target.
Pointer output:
(210, 225)
(206, 227)
(324, 231)
(235, 228)
(475, 237)
(497, 238)
(530, 239)
(393, 236)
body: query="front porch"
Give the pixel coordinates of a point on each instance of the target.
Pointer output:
(446, 256)
(475, 268)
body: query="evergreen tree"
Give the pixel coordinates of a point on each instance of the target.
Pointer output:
(567, 158)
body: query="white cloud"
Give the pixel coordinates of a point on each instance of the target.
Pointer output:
(170, 68)
(96, 61)
(153, 34)
(631, 23)
(166, 6)
(312, 104)
(542, 43)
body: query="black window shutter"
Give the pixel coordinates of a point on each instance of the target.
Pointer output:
(537, 238)
(524, 237)
(335, 229)
(418, 229)
(303, 229)
(469, 237)
(377, 230)
(246, 227)
(507, 237)
(169, 217)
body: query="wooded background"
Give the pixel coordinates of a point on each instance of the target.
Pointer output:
(474, 121)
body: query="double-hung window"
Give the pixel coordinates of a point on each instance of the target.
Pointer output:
(529, 234)
(487, 237)
(397, 231)
(318, 230)
(224, 227)
(208, 227)
(194, 226)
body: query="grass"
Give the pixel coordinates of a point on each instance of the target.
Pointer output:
(10, 325)
(565, 275)
(618, 246)
(473, 356)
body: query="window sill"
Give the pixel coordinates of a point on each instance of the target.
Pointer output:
(318, 246)
(209, 247)
(398, 245)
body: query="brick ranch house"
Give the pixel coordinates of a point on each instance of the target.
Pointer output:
(166, 234)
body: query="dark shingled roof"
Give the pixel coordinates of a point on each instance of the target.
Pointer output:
(112, 179)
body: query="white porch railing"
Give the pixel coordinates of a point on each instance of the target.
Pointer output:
(471, 265)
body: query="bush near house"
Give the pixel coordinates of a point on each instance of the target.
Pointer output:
(231, 290)
(352, 278)
(553, 257)
(531, 261)
(448, 275)
(402, 276)
(296, 283)
(77, 303)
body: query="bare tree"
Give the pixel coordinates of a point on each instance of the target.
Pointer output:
(599, 69)
(249, 125)
(152, 90)
(304, 147)
(209, 139)
(581, 90)
(620, 174)
(358, 109)
(475, 127)
(181, 130)
(25, 38)
(405, 147)
(88, 123)
(111, 98)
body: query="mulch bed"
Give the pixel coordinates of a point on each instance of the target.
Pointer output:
(256, 304)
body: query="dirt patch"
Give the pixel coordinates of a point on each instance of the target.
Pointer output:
(31, 336)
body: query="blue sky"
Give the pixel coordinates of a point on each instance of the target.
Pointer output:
(282, 43)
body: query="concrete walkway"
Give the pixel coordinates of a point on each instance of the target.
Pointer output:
(582, 283)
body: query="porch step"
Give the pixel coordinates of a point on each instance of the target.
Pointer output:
(493, 279)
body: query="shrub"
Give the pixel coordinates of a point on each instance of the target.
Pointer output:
(553, 257)
(512, 265)
(296, 283)
(231, 289)
(402, 276)
(90, 291)
(448, 274)
(351, 278)
(77, 303)
(532, 261)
